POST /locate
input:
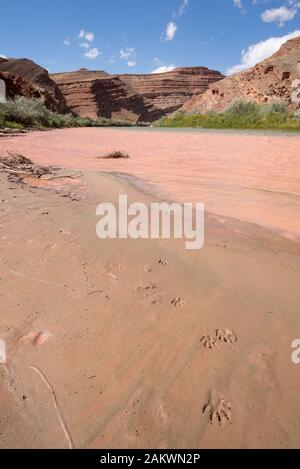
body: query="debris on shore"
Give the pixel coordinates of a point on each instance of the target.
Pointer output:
(19, 165)
(6, 132)
(13, 163)
(116, 155)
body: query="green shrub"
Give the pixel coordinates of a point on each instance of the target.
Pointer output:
(275, 107)
(83, 122)
(28, 112)
(238, 115)
(25, 112)
(13, 125)
(238, 107)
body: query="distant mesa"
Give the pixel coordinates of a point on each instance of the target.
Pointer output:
(135, 98)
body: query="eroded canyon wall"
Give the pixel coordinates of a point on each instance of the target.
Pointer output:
(25, 78)
(135, 98)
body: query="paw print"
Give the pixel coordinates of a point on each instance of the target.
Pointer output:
(179, 302)
(148, 287)
(163, 261)
(209, 342)
(226, 336)
(219, 411)
(152, 286)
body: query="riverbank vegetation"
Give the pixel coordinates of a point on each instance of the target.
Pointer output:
(238, 115)
(32, 113)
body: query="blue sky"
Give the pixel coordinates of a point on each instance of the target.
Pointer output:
(140, 36)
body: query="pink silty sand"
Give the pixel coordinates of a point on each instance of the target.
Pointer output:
(252, 177)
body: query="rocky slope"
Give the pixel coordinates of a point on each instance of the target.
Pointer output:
(276, 77)
(16, 86)
(26, 78)
(136, 98)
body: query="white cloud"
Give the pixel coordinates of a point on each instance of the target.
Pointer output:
(262, 50)
(67, 42)
(3, 56)
(170, 31)
(90, 37)
(163, 69)
(172, 27)
(84, 45)
(182, 9)
(92, 54)
(238, 3)
(127, 52)
(279, 15)
(87, 36)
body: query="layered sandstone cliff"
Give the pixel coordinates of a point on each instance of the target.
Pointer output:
(169, 91)
(16, 86)
(135, 98)
(277, 77)
(25, 78)
(98, 94)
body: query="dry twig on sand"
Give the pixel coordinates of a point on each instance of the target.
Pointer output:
(14, 163)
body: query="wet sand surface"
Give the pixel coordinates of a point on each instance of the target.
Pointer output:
(142, 344)
(252, 177)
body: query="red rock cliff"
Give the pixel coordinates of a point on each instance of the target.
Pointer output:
(28, 75)
(16, 86)
(135, 98)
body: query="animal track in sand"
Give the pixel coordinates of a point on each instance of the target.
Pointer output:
(115, 268)
(147, 287)
(222, 336)
(156, 301)
(151, 286)
(163, 261)
(209, 342)
(219, 410)
(226, 336)
(179, 302)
